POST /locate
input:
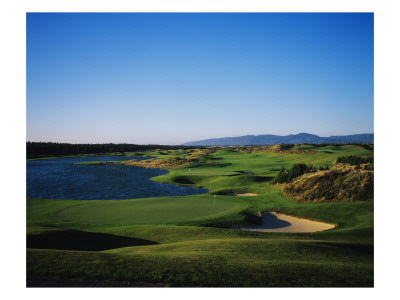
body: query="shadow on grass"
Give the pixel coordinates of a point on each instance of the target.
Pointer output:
(261, 178)
(367, 249)
(82, 241)
(55, 282)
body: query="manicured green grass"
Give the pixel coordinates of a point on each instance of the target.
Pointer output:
(160, 210)
(184, 241)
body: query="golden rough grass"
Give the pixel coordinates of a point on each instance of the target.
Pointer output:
(158, 163)
(167, 163)
(278, 148)
(340, 183)
(201, 152)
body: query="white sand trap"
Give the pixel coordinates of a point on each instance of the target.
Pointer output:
(274, 222)
(247, 194)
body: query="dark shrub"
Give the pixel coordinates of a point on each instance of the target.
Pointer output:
(297, 170)
(355, 160)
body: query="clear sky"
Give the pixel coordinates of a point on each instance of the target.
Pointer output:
(173, 78)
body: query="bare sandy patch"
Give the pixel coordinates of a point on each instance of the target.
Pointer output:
(247, 194)
(276, 222)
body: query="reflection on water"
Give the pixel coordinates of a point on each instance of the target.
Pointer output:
(60, 179)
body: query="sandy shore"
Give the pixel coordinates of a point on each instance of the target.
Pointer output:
(247, 194)
(274, 222)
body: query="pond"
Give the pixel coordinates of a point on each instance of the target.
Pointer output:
(61, 178)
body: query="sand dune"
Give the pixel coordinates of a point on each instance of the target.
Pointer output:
(247, 194)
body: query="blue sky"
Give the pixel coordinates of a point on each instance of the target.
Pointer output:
(172, 78)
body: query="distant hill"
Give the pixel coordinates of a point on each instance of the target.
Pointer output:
(270, 139)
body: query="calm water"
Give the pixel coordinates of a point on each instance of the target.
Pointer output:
(59, 178)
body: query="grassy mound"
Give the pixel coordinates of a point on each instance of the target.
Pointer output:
(340, 183)
(158, 163)
(188, 158)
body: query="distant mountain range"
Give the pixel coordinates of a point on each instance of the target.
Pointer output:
(270, 139)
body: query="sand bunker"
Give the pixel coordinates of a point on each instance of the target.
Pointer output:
(274, 222)
(247, 194)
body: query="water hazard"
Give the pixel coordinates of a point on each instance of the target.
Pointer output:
(60, 178)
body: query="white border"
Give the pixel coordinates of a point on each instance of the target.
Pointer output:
(13, 122)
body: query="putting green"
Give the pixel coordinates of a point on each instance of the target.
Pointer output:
(161, 210)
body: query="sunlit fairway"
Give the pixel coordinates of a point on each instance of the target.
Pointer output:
(186, 240)
(161, 210)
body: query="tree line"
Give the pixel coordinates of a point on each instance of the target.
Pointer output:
(34, 149)
(355, 160)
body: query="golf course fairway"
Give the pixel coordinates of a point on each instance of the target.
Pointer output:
(189, 240)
